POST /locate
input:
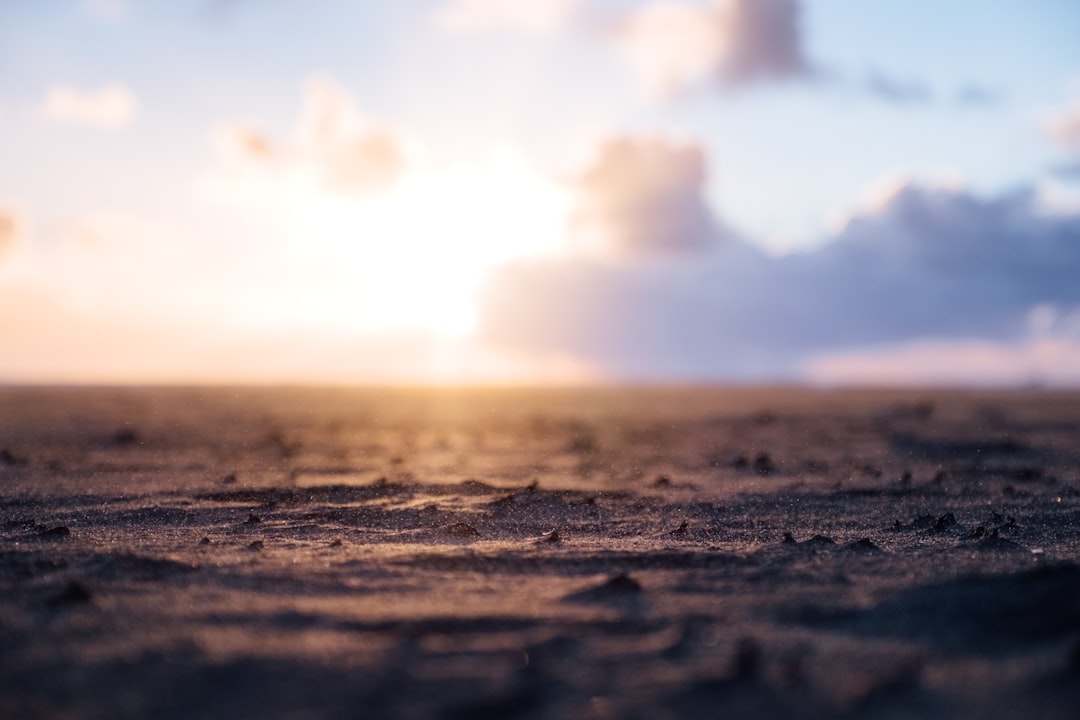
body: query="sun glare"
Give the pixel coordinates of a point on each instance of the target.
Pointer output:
(412, 259)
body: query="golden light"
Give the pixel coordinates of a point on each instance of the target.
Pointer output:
(412, 259)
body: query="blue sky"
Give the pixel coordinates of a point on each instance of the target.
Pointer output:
(137, 198)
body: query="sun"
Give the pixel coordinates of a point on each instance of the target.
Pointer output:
(412, 260)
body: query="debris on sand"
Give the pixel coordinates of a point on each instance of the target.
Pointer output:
(459, 529)
(680, 531)
(550, 538)
(11, 459)
(620, 587)
(865, 545)
(124, 437)
(74, 593)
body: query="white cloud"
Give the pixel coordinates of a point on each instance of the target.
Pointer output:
(535, 16)
(674, 45)
(644, 195)
(111, 107)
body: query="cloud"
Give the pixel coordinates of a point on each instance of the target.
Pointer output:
(1064, 129)
(923, 262)
(334, 149)
(10, 230)
(534, 16)
(642, 196)
(111, 11)
(674, 46)
(977, 95)
(350, 154)
(902, 91)
(111, 107)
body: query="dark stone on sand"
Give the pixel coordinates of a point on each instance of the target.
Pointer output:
(229, 479)
(1027, 474)
(75, 593)
(459, 529)
(256, 545)
(9, 458)
(789, 539)
(620, 587)
(60, 531)
(764, 465)
(475, 487)
(662, 481)
(944, 522)
(865, 545)
(124, 437)
(995, 543)
(204, 541)
(337, 543)
(252, 519)
(551, 538)
(503, 501)
(681, 530)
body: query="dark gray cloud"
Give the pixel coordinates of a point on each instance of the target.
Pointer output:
(765, 41)
(927, 263)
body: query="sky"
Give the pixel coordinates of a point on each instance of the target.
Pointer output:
(836, 192)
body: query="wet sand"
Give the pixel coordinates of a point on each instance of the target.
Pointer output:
(698, 552)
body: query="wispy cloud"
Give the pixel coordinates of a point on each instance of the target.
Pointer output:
(898, 90)
(533, 16)
(978, 95)
(111, 107)
(334, 147)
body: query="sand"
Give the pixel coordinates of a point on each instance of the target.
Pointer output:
(698, 552)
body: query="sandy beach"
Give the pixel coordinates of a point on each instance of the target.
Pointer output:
(617, 553)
